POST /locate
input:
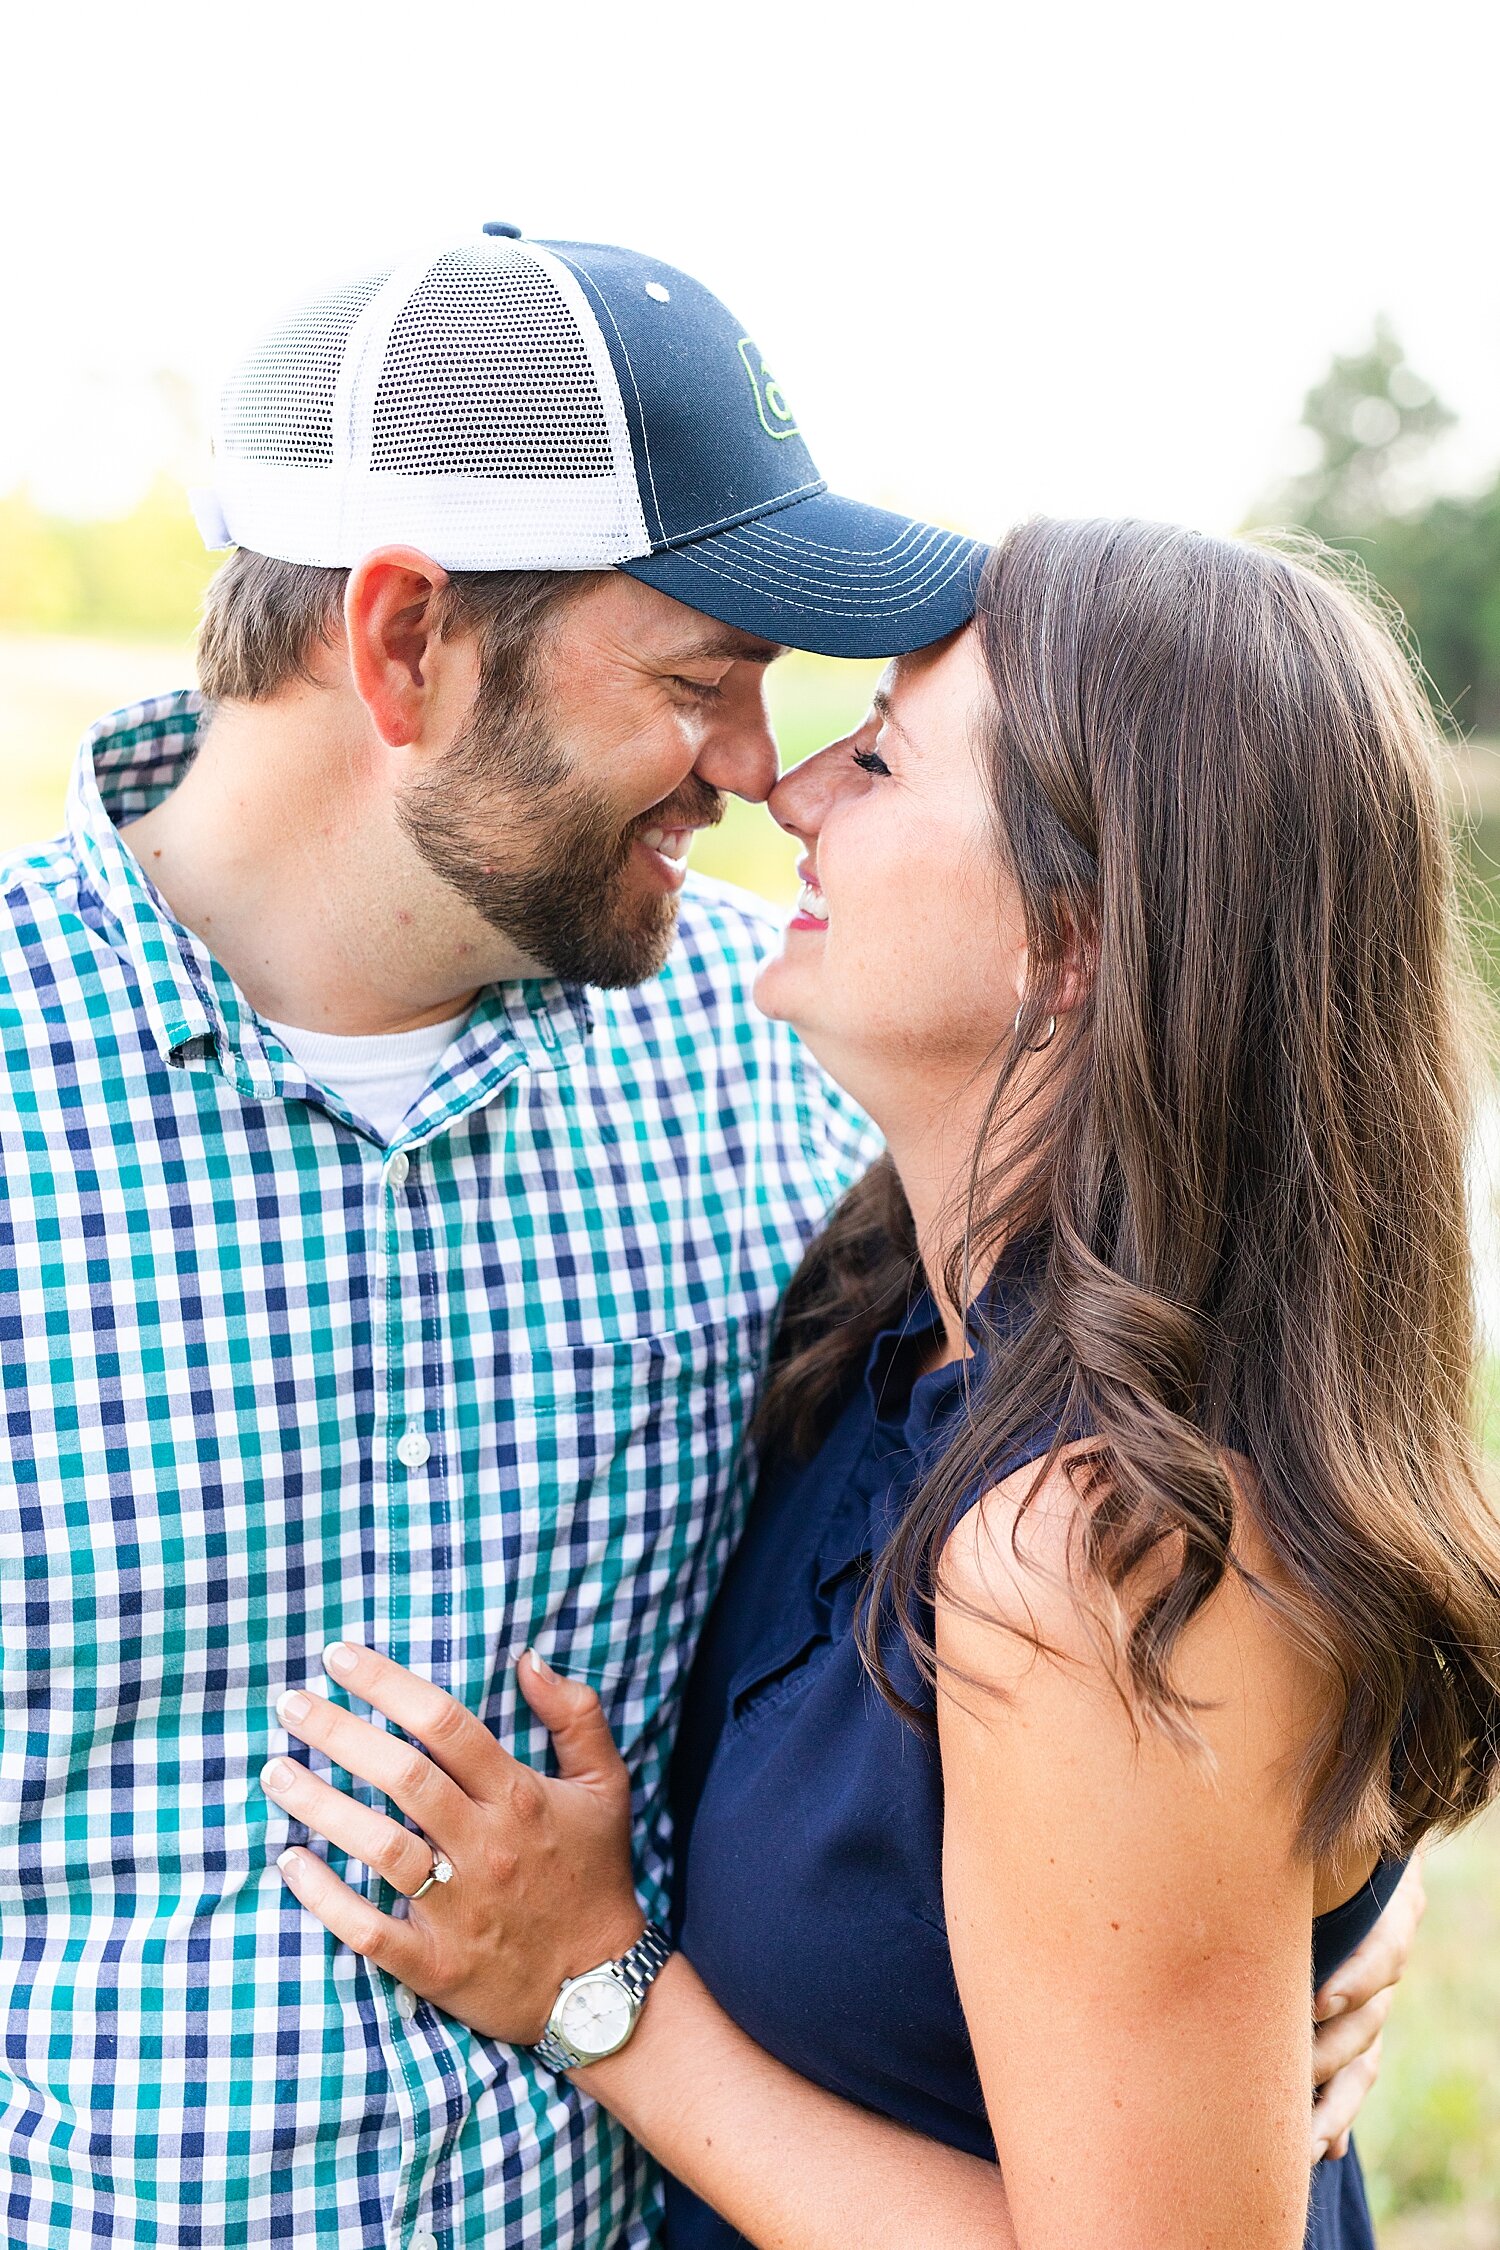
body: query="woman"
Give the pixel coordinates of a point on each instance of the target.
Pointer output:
(1119, 1607)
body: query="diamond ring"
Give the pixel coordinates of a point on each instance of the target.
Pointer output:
(441, 1871)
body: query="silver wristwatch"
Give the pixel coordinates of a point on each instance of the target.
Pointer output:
(595, 2014)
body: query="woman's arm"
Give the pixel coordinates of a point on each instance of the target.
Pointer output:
(792, 2167)
(542, 1890)
(1130, 1924)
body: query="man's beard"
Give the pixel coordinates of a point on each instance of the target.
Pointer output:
(535, 849)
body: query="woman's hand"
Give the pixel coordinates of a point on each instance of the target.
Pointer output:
(541, 1888)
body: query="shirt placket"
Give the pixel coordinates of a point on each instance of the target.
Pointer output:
(413, 1607)
(420, 1474)
(420, 1601)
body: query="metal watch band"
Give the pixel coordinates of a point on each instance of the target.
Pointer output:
(645, 1960)
(636, 1970)
(551, 2050)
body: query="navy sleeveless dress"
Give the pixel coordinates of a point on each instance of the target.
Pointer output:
(809, 1816)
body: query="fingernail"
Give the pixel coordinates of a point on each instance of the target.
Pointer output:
(288, 1858)
(293, 1705)
(276, 1775)
(538, 1665)
(340, 1659)
(1335, 2005)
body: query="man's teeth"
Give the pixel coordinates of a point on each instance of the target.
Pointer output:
(812, 903)
(672, 843)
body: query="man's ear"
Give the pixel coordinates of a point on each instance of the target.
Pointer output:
(392, 638)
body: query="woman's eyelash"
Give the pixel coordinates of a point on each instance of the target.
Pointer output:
(870, 761)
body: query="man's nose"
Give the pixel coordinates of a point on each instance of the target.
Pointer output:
(738, 753)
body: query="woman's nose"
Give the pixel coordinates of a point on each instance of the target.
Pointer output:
(800, 797)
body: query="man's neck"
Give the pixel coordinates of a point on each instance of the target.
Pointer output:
(281, 852)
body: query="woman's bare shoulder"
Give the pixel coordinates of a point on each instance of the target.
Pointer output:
(1020, 1607)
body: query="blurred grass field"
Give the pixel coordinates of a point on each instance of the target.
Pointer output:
(1431, 2133)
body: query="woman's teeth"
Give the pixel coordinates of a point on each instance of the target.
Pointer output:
(812, 903)
(672, 843)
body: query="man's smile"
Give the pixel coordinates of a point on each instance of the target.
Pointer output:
(665, 851)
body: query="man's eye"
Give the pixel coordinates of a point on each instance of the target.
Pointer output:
(870, 761)
(704, 691)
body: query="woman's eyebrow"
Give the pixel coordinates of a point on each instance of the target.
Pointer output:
(880, 703)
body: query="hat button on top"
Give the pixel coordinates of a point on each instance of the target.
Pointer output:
(502, 226)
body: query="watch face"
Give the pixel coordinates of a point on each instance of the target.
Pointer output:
(596, 2015)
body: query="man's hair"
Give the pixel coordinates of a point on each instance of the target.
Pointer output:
(263, 618)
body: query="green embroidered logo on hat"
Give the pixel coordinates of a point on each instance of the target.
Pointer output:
(776, 417)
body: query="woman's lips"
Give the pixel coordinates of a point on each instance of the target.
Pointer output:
(812, 907)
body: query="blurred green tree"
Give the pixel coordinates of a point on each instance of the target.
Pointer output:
(38, 579)
(142, 573)
(1373, 420)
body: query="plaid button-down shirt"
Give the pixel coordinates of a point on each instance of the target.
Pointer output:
(267, 1382)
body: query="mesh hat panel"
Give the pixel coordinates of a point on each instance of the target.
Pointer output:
(464, 403)
(486, 375)
(278, 406)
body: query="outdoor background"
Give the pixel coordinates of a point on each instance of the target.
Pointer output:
(1223, 267)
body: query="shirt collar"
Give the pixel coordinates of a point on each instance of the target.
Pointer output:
(919, 1407)
(888, 1377)
(126, 764)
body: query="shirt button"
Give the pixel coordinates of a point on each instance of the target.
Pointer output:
(424, 2239)
(397, 1169)
(406, 2002)
(413, 1450)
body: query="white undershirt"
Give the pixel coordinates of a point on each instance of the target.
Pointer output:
(379, 1076)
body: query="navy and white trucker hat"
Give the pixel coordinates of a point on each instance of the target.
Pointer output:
(517, 405)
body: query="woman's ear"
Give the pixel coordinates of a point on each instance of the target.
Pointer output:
(1075, 979)
(1022, 974)
(393, 639)
(1080, 953)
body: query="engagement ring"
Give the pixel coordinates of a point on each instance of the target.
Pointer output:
(440, 1872)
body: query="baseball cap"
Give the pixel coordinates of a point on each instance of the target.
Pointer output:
(518, 405)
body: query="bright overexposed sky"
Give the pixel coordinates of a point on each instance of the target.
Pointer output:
(1071, 256)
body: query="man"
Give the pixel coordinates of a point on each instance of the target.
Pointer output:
(398, 1190)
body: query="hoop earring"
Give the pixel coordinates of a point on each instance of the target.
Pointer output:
(1047, 1036)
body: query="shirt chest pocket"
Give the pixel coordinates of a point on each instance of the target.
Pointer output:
(592, 1418)
(616, 1494)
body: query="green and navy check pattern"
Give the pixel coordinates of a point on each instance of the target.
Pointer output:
(268, 1383)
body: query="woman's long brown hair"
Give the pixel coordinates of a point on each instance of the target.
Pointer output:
(1215, 777)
